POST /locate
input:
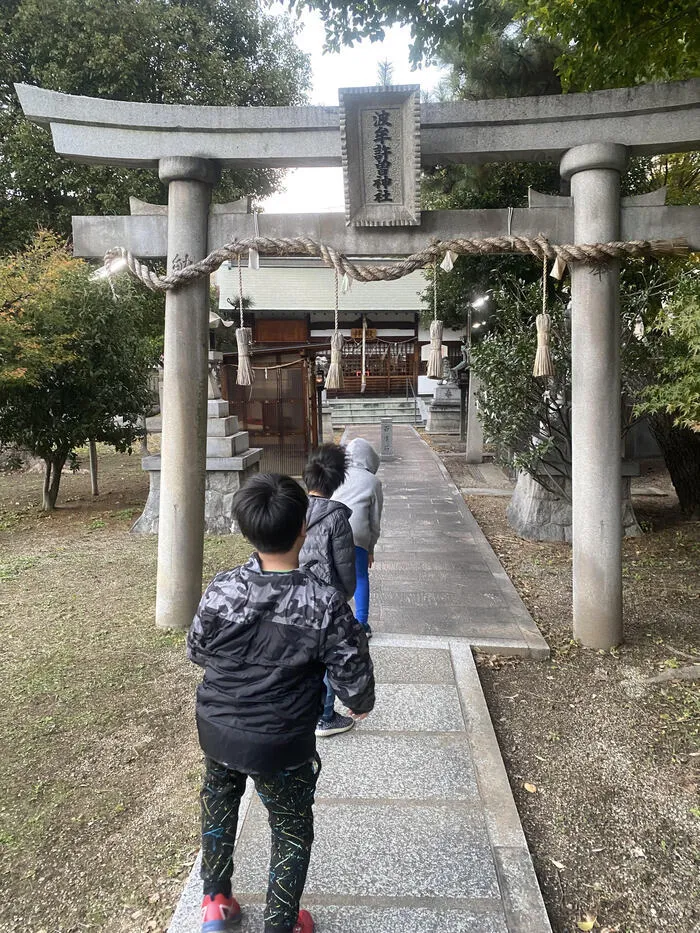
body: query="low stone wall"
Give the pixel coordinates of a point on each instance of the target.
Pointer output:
(539, 515)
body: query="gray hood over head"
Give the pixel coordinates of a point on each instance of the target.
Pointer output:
(362, 492)
(361, 454)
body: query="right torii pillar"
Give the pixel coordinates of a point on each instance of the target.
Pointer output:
(594, 171)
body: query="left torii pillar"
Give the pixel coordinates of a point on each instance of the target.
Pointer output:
(183, 453)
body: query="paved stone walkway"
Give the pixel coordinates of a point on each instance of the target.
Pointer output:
(436, 573)
(416, 829)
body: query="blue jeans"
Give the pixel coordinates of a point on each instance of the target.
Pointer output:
(361, 614)
(362, 585)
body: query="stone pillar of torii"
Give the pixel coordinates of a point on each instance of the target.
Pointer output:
(591, 135)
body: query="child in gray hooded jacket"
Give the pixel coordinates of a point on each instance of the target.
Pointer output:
(362, 492)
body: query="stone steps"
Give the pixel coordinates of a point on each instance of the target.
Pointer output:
(371, 411)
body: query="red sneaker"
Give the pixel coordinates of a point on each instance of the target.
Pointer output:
(221, 914)
(305, 923)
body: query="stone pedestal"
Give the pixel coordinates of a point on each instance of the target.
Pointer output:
(444, 410)
(539, 515)
(230, 462)
(475, 430)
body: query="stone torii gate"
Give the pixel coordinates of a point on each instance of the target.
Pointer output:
(591, 135)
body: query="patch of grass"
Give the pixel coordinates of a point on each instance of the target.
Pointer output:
(97, 734)
(16, 566)
(126, 513)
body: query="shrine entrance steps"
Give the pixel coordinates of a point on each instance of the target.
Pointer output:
(416, 828)
(355, 411)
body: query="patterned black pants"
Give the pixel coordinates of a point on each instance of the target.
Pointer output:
(288, 797)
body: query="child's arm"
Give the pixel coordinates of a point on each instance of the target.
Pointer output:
(375, 517)
(343, 555)
(345, 653)
(203, 627)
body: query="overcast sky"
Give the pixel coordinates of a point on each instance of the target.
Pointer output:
(321, 189)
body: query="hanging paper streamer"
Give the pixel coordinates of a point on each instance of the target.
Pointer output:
(448, 263)
(435, 357)
(244, 339)
(544, 366)
(334, 379)
(347, 283)
(558, 269)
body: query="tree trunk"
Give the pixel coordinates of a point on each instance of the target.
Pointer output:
(681, 450)
(93, 467)
(52, 481)
(46, 503)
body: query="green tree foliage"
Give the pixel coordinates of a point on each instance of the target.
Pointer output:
(159, 51)
(676, 390)
(618, 43)
(504, 62)
(602, 43)
(459, 23)
(529, 419)
(74, 362)
(385, 72)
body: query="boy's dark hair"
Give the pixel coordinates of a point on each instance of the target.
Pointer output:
(326, 469)
(270, 510)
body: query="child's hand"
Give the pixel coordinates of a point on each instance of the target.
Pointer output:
(358, 717)
(370, 561)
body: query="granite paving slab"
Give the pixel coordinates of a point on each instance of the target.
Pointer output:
(411, 665)
(386, 851)
(415, 708)
(363, 764)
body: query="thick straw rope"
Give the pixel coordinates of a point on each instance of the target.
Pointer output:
(544, 366)
(435, 357)
(540, 248)
(334, 379)
(244, 339)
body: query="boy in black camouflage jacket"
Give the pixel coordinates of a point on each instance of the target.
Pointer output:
(266, 633)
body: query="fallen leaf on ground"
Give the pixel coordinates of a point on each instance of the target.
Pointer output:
(585, 925)
(530, 788)
(558, 865)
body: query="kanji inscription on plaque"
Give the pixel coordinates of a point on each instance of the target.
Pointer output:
(380, 134)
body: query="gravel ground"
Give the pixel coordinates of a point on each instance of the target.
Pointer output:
(605, 767)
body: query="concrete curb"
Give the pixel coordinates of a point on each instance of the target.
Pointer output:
(522, 898)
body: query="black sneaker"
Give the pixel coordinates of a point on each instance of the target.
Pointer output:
(334, 726)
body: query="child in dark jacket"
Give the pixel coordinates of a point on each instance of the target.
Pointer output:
(266, 633)
(329, 550)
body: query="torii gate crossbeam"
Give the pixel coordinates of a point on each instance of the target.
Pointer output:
(592, 134)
